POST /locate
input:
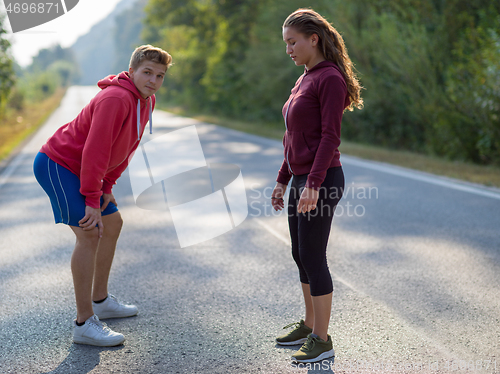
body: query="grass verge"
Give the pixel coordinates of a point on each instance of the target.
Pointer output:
(16, 126)
(486, 175)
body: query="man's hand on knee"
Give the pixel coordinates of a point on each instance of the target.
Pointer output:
(92, 219)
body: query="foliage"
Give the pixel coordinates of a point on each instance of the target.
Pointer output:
(127, 35)
(105, 49)
(431, 69)
(474, 91)
(7, 78)
(35, 87)
(47, 56)
(57, 60)
(51, 68)
(18, 124)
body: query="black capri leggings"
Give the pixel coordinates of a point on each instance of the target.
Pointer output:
(310, 231)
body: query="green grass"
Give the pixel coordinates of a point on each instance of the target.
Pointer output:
(16, 126)
(485, 175)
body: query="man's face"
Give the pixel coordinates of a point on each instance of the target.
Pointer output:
(148, 77)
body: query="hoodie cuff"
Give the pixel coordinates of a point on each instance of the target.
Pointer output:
(283, 179)
(314, 183)
(93, 202)
(107, 187)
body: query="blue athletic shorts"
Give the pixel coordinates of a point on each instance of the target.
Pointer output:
(63, 189)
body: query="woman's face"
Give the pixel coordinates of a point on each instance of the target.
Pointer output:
(301, 48)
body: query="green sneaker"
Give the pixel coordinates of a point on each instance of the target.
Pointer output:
(314, 349)
(296, 336)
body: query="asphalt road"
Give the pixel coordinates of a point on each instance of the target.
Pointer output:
(415, 260)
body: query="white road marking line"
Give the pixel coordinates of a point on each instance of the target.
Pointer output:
(416, 329)
(420, 176)
(286, 241)
(273, 232)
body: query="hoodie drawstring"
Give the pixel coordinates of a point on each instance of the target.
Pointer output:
(150, 117)
(139, 118)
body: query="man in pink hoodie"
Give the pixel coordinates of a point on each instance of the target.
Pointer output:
(78, 167)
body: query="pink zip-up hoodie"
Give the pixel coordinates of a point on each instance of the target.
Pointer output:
(97, 144)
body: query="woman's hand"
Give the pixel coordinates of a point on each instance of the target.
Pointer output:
(107, 197)
(277, 196)
(91, 219)
(308, 200)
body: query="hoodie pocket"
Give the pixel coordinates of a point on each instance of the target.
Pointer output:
(298, 150)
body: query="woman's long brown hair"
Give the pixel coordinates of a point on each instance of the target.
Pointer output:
(331, 44)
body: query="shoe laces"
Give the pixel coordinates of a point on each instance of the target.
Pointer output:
(115, 302)
(309, 344)
(99, 325)
(296, 324)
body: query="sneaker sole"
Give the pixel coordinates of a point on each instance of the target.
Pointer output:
(111, 315)
(111, 343)
(296, 342)
(323, 356)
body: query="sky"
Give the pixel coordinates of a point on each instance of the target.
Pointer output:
(63, 30)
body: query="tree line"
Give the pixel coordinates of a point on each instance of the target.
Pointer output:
(55, 67)
(430, 68)
(7, 79)
(29, 94)
(50, 69)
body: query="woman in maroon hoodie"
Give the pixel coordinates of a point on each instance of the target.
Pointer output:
(78, 167)
(313, 114)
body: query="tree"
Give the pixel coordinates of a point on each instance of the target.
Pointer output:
(186, 30)
(7, 77)
(430, 67)
(127, 34)
(58, 59)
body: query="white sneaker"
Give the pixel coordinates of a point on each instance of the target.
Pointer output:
(112, 308)
(95, 332)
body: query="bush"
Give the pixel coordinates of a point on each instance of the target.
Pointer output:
(16, 99)
(39, 86)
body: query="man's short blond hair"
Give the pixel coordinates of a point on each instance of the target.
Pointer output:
(149, 53)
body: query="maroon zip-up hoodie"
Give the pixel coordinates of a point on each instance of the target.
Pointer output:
(313, 114)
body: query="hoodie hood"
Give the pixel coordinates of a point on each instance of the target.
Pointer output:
(321, 65)
(123, 80)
